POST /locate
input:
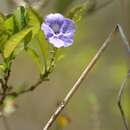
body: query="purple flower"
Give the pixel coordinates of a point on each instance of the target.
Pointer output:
(58, 30)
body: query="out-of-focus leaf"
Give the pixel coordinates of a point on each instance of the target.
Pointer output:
(9, 25)
(20, 87)
(34, 21)
(43, 47)
(19, 49)
(77, 12)
(59, 55)
(4, 33)
(2, 69)
(61, 5)
(2, 18)
(3, 38)
(36, 58)
(92, 99)
(14, 40)
(27, 39)
(20, 17)
(9, 105)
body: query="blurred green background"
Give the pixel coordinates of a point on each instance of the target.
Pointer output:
(94, 106)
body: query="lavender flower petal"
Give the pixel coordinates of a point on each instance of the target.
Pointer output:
(58, 30)
(47, 30)
(68, 26)
(58, 43)
(54, 18)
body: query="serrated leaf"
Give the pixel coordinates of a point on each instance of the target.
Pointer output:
(35, 58)
(14, 40)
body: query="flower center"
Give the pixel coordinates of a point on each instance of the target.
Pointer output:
(56, 28)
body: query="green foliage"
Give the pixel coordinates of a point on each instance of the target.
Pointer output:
(1, 18)
(43, 47)
(78, 11)
(20, 18)
(36, 58)
(21, 31)
(14, 40)
(10, 25)
(21, 26)
(34, 20)
(2, 69)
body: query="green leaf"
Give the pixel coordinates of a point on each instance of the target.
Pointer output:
(9, 25)
(34, 21)
(19, 49)
(27, 39)
(2, 19)
(43, 47)
(36, 58)
(2, 69)
(14, 41)
(77, 12)
(7, 29)
(20, 17)
(3, 38)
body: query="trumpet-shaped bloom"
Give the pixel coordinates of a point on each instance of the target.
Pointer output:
(58, 30)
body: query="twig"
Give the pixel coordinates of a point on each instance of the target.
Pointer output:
(5, 86)
(84, 75)
(120, 93)
(43, 77)
(79, 81)
(30, 89)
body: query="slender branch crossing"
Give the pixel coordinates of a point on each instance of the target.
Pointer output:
(85, 74)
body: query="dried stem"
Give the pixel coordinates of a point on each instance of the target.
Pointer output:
(120, 93)
(85, 74)
(79, 81)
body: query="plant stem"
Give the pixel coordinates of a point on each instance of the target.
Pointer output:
(4, 86)
(85, 73)
(79, 81)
